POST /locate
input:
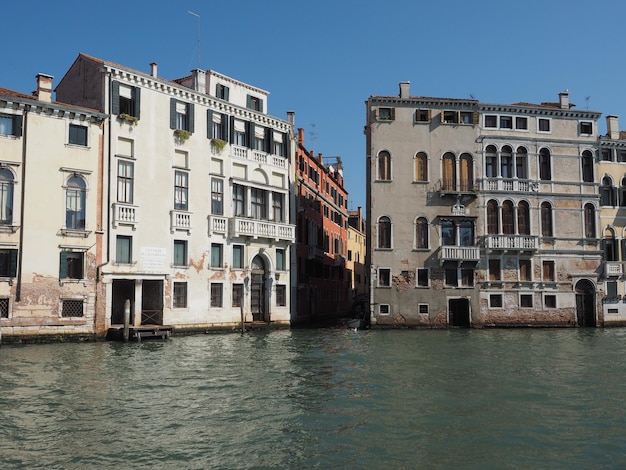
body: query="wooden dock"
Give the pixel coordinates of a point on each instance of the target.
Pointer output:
(139, 333)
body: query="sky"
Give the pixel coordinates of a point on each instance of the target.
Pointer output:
(322, 59)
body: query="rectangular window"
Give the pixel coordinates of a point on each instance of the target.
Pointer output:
(71, 265)
(422, 115)
(586, 128)
(71, 308)
(280, 260)
(4, 307)
(611, 289)
(238, 256)
(495, 301)
(181, 190)
(258, 203)
(125, 99)
(180, 253)
(494, 270)
(450, 117)
(255, 103)
(237, 296)
(8, 263)
(451, 277)
(422, 277)
(606, 155)
(385, 114)
(125, 181)
(525, 271)
(549, 301)
(491, 120)
(466, 117)
(78, 135)
(221, 91)
(281, 295)
(543, 125)
(521, 123)
(216, 294)
(548, 271)
(239, 200)
(124, 249)
(181, 115)
(384, 309)
(506, 122)
(217, 260)
(217, 196)
(10, 125)
(277, 206)
(526, 300)
(422, 309)
(179, 299)
(467, 277)
(384, 277)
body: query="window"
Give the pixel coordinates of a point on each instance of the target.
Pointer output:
(254, 102)
(238, 256)
(10, 125)
(622, 155)
(506, 162)
(548, 271)
(221, 91)
(546, 219)
(239, 200)
(277, 207)
(281, 295)
(611, 290)
(609, 245)
(385, 114)
(384, 309)
(8, 262)
(466, 177)
(384, 232)
(384, 166)
(422, 277)
(237, 296)
(543, 125)
(4, 307)
(448, 233)
(279, 144)
(526, 300)
(521, 123)
(179, 299)
(491, 162)
(258, 203)
(6, 196)
(422, 115)
(180, 253)
(125, 99)
(448, 172)
(491, 120)
(521, 163)
(549, 301)
(607, 192)
(71, 265)
(124, 249)
(586, 127)
(506, 122)
(217, 196)
(77, 135)
(495, 301)
(466, 233)
(421, 233)
(451, 277)
(259, 139)
(181, 115)
(586, 163)
(606, 155)
(181, 190)
(523, 218)
(75, 195)
(545, 170)
(280, 260)
(125, 181)
(622, 195)
(422, 309)
(467, 277)
(466, 117)
(492, 217)
(494, 270)
(71, 308)
(384, 277)
(590, 221)
(508, 228)
(525, 270)
(450, 117)
(217, 260)
(216, 294)
(421, 167)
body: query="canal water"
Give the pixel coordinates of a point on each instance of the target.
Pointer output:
(327, 399)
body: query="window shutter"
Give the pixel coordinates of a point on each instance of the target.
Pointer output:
(172, 113)
(249, 135)
(232, 131)
(269, 140)
(226, 90)
(260, 105)
(287, 145)
(13, 267)
(63, 265)
(209, 123)
(17, 126)
(224, 124)
(190, 119)
(137, 98)
(248, 101)
(115, 97)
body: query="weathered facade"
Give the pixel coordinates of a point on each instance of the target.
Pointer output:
(482, 214)
(51, 223)
(196, 197)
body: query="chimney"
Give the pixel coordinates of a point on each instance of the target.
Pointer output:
(301, 136)
(153, 69)
(199, 80)
(564, 99)
(291, 118)
(44, 88)
(404, 90)
(319, 158)
(612, 127)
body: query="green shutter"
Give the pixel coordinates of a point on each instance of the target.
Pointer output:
(63, 265)
(224, 124)
(137, 99)
(17, 125)
(287, 145)
(248, 101)
(269, 140)
(190, 117)
(13, 267)
(232, 130)
(115, 97)
(172, 113)
(226, 90)
(249, 135)
(260, 105)
(209, 123)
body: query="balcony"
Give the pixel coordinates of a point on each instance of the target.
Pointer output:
(463, 188)
(506, 184)
(613, 269)
(258, 156)
(180, 220)
(218, 224)
(512, 242)
(460, 253)
(242, 227)
(125, 214)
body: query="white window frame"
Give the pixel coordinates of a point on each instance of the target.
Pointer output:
(548, 120)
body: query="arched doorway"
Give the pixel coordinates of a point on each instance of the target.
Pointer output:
(258, 279)
(585, 303)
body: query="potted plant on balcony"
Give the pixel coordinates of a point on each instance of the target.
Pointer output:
(218, 145)
(182, 135)
(128, 118)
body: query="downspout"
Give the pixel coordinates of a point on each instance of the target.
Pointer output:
(20, 251)
(108, 182)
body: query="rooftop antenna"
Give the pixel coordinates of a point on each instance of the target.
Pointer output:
(587, 100)
(313, 134)
(197, 16)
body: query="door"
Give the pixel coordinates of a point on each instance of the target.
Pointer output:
(585, 303)
(122, 290)
(257, 290)
(459, 313)
(152, 303)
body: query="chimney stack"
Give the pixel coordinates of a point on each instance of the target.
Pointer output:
(153, 69)
(44, 88)
(564, 99)
(301, 136)
(405, 90)
(199, 80)
(291, 118)
(612, 127)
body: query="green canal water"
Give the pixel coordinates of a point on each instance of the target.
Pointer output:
(328, 399)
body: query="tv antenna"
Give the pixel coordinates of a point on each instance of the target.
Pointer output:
(197, 16)
(587, 100)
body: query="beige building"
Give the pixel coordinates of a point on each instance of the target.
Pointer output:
(197, 184)
(482, 214)
(51, 223)
(356, 257)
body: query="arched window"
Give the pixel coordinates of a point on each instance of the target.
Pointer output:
(607, 192)
(491, 162)
(545, 166)
(508, 227)
(622, 192)
(384, 166)
(492, 217)
(421, 233)
(590, 221)
(6, 196)
(521, 163)
(467, 172)
(506, 162)
(384, 232)
(75, 203)
(586, 162)
(523, 218)
(546, 219)
(610, 247)
(421, 167)
(449, 172)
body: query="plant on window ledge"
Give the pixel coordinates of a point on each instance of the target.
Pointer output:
(128, 118)
(218, 144)
(182, 134)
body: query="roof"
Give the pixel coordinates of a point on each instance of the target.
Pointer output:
(5, 92)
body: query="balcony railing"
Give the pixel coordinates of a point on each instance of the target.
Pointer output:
(218, 224)
(125, 214)
(613, 268)
(180, 220)
(258, 156)
(506, 184)
(239, 227)
(460, 253)
(512, 242)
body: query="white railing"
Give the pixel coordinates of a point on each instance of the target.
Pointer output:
(124, 214)
(239, 152)
(505, 184)
(180, 220)
(463, 253)
(512, 242)
(261, 229)
(218, 224)
(613, 268)
(258, 156)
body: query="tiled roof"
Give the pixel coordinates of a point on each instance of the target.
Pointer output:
(15, 94)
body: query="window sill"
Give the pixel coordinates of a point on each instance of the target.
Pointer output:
(66, 232)
(8, 228)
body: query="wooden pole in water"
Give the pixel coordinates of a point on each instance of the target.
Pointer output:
(243, 330)
(126, 319)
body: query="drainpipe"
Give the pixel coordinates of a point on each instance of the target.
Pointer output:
(20, 251)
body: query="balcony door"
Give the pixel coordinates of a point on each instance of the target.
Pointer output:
(258, 282)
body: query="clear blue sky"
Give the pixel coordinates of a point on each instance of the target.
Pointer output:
(322, 59)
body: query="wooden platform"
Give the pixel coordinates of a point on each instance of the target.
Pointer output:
(139, 333)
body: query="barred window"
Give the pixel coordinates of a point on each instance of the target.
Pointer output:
(4, 307)
(72, 308)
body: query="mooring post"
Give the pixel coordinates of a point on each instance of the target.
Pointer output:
(243, 330)
(126, 319)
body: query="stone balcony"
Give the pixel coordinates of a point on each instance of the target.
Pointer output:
(512, 242)
(509, 184)
(258, 156)
(125, 214)
(613, 269)
(460, 253)
(218, 224)
(180, 220)
(244, 227)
